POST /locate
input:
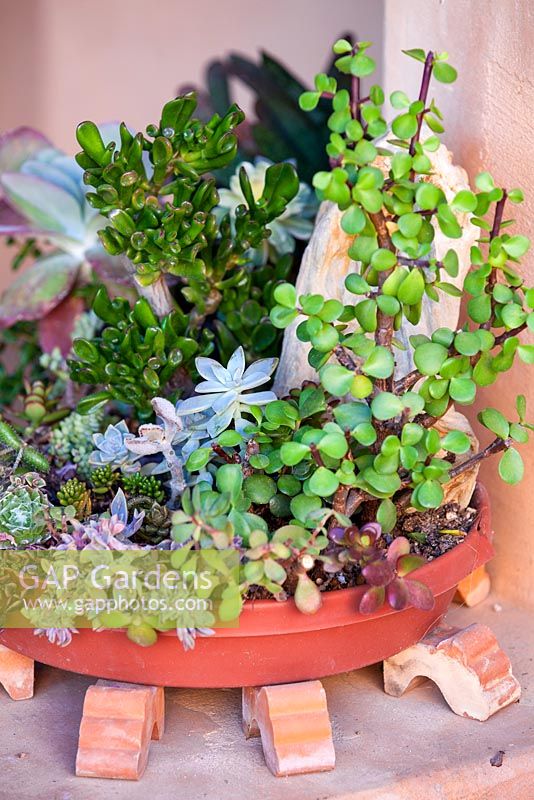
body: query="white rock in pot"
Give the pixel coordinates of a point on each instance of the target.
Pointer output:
(325, 266)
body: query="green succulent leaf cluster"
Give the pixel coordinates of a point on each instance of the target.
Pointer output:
(156, 192)
(135, 355)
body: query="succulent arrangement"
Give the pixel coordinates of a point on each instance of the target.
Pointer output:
(160, 427)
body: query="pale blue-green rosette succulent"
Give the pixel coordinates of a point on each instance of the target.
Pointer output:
(223, 392)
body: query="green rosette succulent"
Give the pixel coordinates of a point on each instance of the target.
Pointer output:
(22, 514)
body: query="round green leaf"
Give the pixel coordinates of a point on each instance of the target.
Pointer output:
(456, 442)
(467, 343)
(326, 339)
(429, 357)
(356, 284)
(259, 488)
(333, 445)
(353, 220)
(361, 387)
(292, 453)
(386, 515)
(380, 363)
(428, 494)
(404, 126)
(323, 482)
(410, 225)
(444, 73)
(286, 295)
(494, 421)
(383, 259)
(464, 201)
(386, 405)
(463, 390)
(516, 246)
(199, 458)
(336, 379)
(309, 100)
(412, 288)
(427, 196)
(511, 467)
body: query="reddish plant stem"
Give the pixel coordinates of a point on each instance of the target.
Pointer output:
(224, 455)
(495, 230)
(494, 447)
(384, 331)
(316, 455)
(423, 94)
(355, 101)
(345, 359)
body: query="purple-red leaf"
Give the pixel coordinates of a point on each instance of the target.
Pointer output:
(18, 145)
(110, 269)
(408, 563)
(55, 329)
(378, 573)
(372, 600)
(398, 547)
(371, 529)
(38, 289)
(336, 535)
(420, 595)
(397, 594)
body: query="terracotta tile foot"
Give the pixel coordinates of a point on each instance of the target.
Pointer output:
(119, 720)
(474, 589)
(293, 722)
(472, 672)
(16, 674)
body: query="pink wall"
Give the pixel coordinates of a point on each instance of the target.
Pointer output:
(62, 61)
(488, 120)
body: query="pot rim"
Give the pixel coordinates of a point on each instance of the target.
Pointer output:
(340, 606)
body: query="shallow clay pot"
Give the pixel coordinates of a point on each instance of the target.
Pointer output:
(274, 642)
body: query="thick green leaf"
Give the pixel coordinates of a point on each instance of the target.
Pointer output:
(412, 288)
(386, 405)
(380, 364)
(511, 467)
(495, 422)
(323, 482)
(429, 358)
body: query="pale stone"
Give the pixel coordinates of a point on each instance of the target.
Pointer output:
(325, 266)
(460, 489)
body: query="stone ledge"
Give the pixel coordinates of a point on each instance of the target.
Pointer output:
(411, 749)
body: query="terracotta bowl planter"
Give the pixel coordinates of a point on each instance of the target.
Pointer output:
(274, 642)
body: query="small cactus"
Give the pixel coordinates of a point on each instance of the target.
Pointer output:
(76, 493)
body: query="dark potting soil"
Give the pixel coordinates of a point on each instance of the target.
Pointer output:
(431, 534)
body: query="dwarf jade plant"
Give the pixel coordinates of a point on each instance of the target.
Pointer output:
(383, 185)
